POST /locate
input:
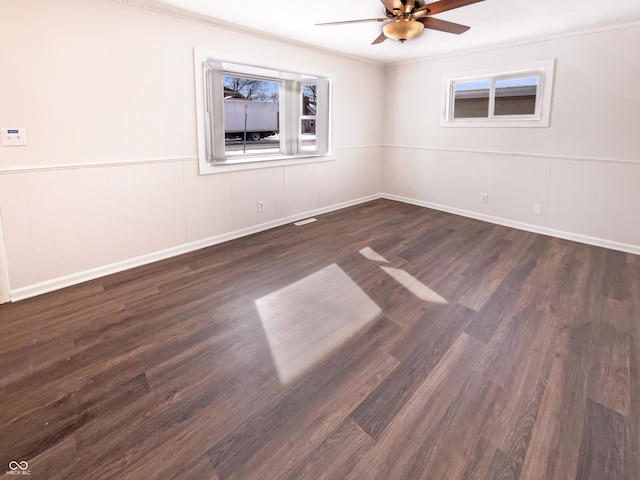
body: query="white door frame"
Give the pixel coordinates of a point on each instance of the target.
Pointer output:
(4, 269)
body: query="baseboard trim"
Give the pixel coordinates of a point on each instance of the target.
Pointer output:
(575, 237)
(84, 276)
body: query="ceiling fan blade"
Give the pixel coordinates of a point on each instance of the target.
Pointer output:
(392, 5)
(444, 5)
(443, 25)
(354, 21)
(379, 39)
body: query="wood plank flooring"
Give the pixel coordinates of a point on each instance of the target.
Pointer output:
(491, 353)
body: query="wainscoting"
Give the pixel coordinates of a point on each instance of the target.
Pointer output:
(589, 200)
(65, 225)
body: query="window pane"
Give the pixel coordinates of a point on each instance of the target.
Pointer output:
(516, 96)
(251, 115)
(308, 118)
(471, 99)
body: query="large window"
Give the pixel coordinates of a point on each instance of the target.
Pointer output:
(515, 96)
(251, 114)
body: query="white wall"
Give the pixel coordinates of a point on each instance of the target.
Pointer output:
(109, 178)
(584, 169)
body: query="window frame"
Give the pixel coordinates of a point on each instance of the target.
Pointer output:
(209, 72)
(304, 117)
(543, 70)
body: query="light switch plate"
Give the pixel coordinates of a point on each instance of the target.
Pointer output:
(13, 137)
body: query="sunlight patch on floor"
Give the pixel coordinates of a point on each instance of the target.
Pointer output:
(414, 285)
(371, 254)
(307, 320)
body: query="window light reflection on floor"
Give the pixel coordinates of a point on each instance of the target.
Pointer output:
(371, 254)
(414, 285)
(308, 319)
(405, 279)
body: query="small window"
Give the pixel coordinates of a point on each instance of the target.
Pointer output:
(254, 114)
(515, 97)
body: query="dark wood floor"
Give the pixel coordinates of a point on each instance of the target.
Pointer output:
(528, 367)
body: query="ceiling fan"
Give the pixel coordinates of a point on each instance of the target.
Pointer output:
(408, 18)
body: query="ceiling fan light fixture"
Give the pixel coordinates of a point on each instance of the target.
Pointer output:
(403, 29)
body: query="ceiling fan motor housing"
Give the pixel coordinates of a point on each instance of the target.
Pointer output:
(404, 28)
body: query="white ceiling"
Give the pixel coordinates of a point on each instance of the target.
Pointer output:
(492, 22)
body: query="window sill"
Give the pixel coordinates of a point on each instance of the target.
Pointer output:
(254, 163)
(506, 123)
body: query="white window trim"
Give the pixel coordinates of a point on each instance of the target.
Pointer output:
(541, 118)
(204, 130)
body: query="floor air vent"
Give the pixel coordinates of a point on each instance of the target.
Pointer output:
(304, 222)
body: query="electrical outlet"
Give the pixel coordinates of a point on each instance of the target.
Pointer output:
(537, 209)
(260, 206)
(484, 198)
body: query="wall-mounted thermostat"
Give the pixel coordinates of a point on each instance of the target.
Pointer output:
(13, 137)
